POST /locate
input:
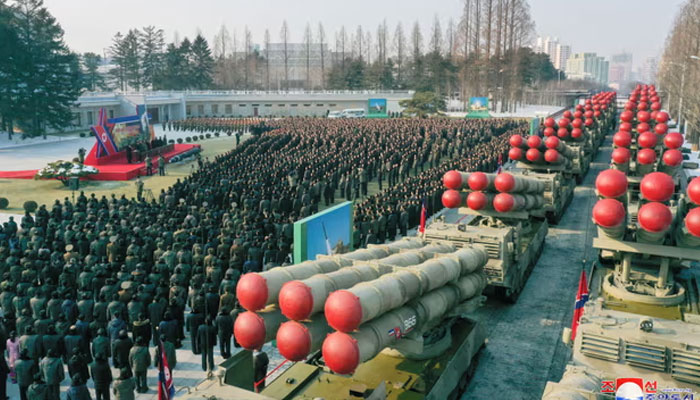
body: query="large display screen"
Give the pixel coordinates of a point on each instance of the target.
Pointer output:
(327, 232)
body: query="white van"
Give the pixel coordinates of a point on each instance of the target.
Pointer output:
(335, 114)
(353, 113)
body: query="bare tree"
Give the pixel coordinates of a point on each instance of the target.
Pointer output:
(247, 40)
(416, 42)
(222, 70)
(436, 37)
(343, 39)
(359, 37)
(382, 38)
(679, 74)
(322, 44)
(450, 37)
(368, 45)
(400, 46)
(284, 37)
(308, 38)
(267, 59)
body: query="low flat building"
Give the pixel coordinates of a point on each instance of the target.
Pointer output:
(174, 105)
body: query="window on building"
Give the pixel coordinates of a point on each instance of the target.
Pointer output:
(319, 105)
(200, 109)
(307, 105)
(241, 105)
(268, 105)
(280, 105)
(215, 109)
(188, 110)
(76, 119)
(294, 105)
(229, 108)
(89, 118)
(331, 105)
(111, 114)
(256, 105)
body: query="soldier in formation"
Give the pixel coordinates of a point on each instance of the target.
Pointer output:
(100, 281)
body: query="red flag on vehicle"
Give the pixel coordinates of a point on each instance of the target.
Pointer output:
(581, 298)
(423, 216)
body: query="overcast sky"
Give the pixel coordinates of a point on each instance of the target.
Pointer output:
(602, 26)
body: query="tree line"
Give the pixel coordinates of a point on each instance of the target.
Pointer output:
(484, 53)
(679, 71)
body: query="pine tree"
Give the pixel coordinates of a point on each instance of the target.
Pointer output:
(202, 64)
(151, 46)
(13, 53)
(184, 75)
(49, 74)
(132, 60)
(92, 80)
(169, 77)
(118, 53)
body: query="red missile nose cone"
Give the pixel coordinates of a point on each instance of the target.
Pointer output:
(293, 341)
(252, 291)
(643, 116)
(452, 180)
(657, 186)
(296, 301)
(647, 139)
(694, 190)
(673, 140)
(692, 222)
(343, 311)
(661, 129)
(577, 123)
(341, 353)
(534, 142)
(643, 127)
(551, 156)
(249, 330)
(576, 133)
(563, 133)
(504, 182)
(515, 153)
(646, 156)
(451, 199)
(548, 132)
(622, 139)
(626, 116)
(626, 126)
(611, 183)
(654, 217)
(477, 200)
(672, 158)
(516, 140)
(662, 117)
(503, 202)
(563, 123)
(478, 181)
(533, 155)
(608, 213)
(550, 122)
(567, 114)
(621, 155)
(552, 142)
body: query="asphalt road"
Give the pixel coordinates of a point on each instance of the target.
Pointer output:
(524, 348)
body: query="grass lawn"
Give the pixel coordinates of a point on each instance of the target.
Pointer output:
(17, 191)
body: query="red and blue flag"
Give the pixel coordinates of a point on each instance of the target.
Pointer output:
(166, 389)
(581, 299)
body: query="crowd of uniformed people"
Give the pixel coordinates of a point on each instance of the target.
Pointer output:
(90, 288)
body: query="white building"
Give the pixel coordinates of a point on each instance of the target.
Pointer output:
(174, 105)
(588, 66)
(558, 53)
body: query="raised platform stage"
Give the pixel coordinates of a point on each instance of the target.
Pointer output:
(117, 169)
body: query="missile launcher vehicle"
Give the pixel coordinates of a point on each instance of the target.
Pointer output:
(644, 319)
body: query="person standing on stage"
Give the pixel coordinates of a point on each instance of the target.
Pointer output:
(161, 165)
(129, 154)
(149, 166)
